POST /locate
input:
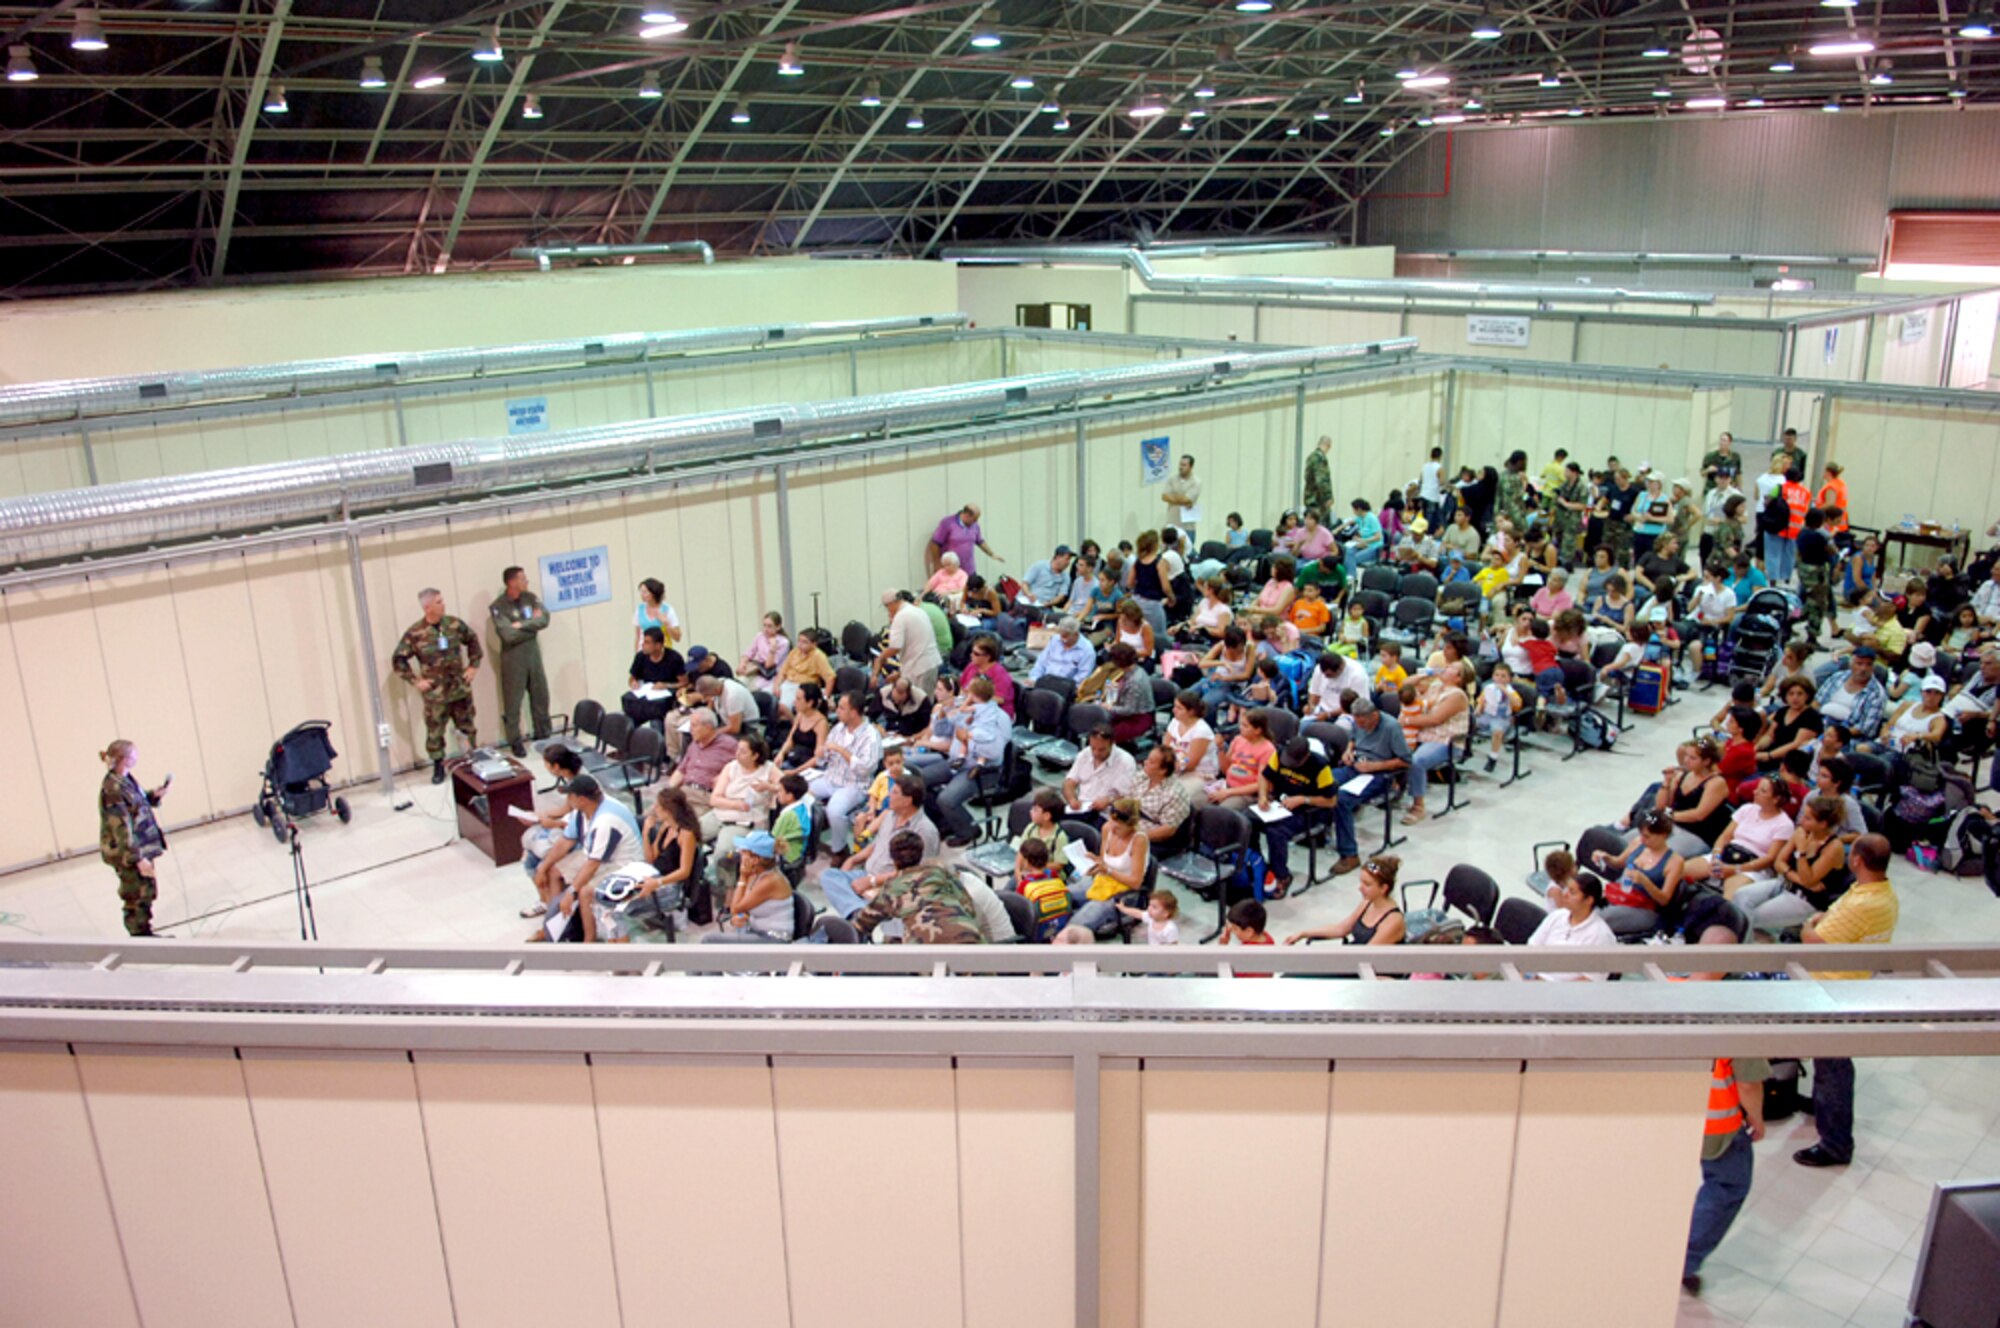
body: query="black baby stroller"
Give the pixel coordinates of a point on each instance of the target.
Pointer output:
(295, 779)
(1757, 637)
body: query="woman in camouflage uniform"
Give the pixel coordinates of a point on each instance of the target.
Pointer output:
(1572, 505)
(1512, 502)
(129, 836)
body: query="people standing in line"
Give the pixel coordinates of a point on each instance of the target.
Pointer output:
(654, 611)
(1319, 478)
(1183, 496)
(958, 533)
(129, 838)
(518, 620)
(440, 656)
(1865, 915)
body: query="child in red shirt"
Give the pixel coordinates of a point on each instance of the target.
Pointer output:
(1246, 927)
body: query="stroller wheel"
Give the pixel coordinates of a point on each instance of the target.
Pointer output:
(278, 827)
(341, 810)
(257, 812)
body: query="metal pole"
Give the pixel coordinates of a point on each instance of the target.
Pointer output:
(1450, 414)
(652, 411)
(784, 497)
(1082, 506)
(1088, 1096)
(1950, 343)
(89, 457)
(1257, 322)
(371, 666)
(1867, 345)
(853, 372)
(402, 429)
(1006, 355)
(1781, 400)
(1299, 448)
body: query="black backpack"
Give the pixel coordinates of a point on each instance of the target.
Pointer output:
(1775, 516)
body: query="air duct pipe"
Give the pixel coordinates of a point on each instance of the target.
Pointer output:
(1640, 257)
(77, 522)
(544, 255)
(89, 398)
(1388, 287)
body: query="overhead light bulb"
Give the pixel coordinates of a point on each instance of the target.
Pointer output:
(984, 37)
(916, 118)
(1753, 101)
(1253, 6)
(1485, 28)
(1977, 26)
(274, 100)
(1657, 47)
(1204, 90)
(1883, 76)
(1050, 106)
(1574, 111)
(1428, 81)
(1662, 90)
(1425, 122)
(87, 34)
(1838, 4)
(1187, 125)
(1783, 64)
(371, 72)
(1021, 82)
(1548, 80)
(741, 114)
(488, 51)
(1449, 118)
(1387, 130)
(1843, 46)
(1407, 68)
(1832, 106)
(1061, 126)
(1956, 91)
(788, 62)
(1477, 101)
(425, 82)
(871, 95)
(1355, 95)
(1706, 103)
(531, 107)
(1197, 113)
(649, 85)
(1322, 113)
(1147, 107)
(21, 65)
(1293, 130)
(657, 23)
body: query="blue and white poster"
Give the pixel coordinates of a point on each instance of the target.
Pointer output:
(572, 580)
(1153, 460)
(528, 415)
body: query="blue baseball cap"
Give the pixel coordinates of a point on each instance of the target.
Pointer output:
(760, 843)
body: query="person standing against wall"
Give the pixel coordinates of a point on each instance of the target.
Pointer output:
(1183, 499)
(958, 533)
(518, 620)
(440, 656)
(129, 837)
(1319, 478)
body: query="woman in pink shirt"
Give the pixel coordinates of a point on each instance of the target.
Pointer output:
(1554, 595)
(985, 662)
(1311, 541)
(1249, 752)
(949, 579)
(1278, 592)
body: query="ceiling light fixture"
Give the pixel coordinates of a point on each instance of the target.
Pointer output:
(1387, 131)
(88, 33)
(1783, 64)
(1147, 107)
(788, 62)
(1956, 91)
(1832, 106)
(1294, 129)
(1050, 106)
(1187, 125)
(1425, 122)
(741, 115)
(1884, 74)
(1449, 117)
(1407, 67)
(371, 72)
(983, 37)
(657, 23)
(1657, 46)
(1662, 91)
(21, 65)
(649, 86)
(1838, 4)
(531, 107)
(916, 118)
(1754, 100)
(1061, 126)
(1977, 26)
(488, 51)
(1707, 103)
(1204, 90)
(1844, 46)
(1357, 94)
(425, 82)
(1548, 81)
(1321, 113)
(1021, 82)
(1253, 6)
(1428, 81)
(1574, 111)
(871, 95)
(1485, 28)
(1477, 101)
(274, 100)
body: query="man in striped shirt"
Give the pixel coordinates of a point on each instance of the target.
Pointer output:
(1865, 915)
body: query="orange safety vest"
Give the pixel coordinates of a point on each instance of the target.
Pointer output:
(1834, 494)
(1725, 1104)
(1797, 499)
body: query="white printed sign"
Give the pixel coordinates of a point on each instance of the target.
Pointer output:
(528, 415)
(572, 580)
(1916, 326)
(1496, 330)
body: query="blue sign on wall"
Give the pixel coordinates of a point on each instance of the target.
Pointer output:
(572, 580)
(528, 415)
(1153, 454)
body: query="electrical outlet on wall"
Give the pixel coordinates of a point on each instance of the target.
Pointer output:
(382, 736)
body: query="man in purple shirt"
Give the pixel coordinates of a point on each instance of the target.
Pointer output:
(959, 534)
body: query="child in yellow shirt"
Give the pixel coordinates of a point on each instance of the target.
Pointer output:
(1390, 675)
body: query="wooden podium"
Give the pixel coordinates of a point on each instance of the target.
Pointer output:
(497, 834)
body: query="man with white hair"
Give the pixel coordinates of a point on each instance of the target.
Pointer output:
(1067, 656)
(912, 645)
(429, 658)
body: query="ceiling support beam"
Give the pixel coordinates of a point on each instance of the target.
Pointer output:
(501, 111)
(246, 127)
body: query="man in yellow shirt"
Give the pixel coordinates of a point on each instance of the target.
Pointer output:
(1865, 915)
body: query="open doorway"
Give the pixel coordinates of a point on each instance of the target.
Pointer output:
(1068, 317)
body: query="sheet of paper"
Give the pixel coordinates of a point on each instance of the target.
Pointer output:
(1080, 858)
(1274, 812)
(1358, 785)
(557, 923)
(1191, 515)
(521, 814)
(967, 619)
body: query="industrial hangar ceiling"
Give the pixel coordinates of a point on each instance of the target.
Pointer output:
(197, 142)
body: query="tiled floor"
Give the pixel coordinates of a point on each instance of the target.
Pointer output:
(1813, 1248)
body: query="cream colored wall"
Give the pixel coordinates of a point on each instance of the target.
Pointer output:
(1936, 465)
(1918, 362)
(1495, 415)
(188, 1186)
(1377, 261)
(91, 336)
(989, 291)
(1382, 434)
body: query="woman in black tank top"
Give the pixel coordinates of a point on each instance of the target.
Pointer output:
(1698, 798)
(1378, 921)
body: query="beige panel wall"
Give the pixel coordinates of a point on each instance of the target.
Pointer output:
(519, 1178)
(1444, 334)
(129, 334)
(1382, 434)
(990, 293)
(1614, 1149)
(1917, 361)
(869, 1158)
(179, 1153)
(60, 1257)
(1199, 320)
(1496, 415)
(1017, 1191)
(1289, 325)
(1120, 1169)
(341, 1140)
(1050, 355)
(1377, 260)
(1234, 1156)
(1935, 465)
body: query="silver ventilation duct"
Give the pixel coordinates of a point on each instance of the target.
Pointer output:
(76, 522)
(545, 255)
(89, 398)
(1389, 287)
(1640, 257)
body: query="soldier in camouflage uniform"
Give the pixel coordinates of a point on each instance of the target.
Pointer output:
(1571, 504)
(129, 836)
(928, 900)
(1319, 478)
(428, 659)
(518, 620)
(1512, 501)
